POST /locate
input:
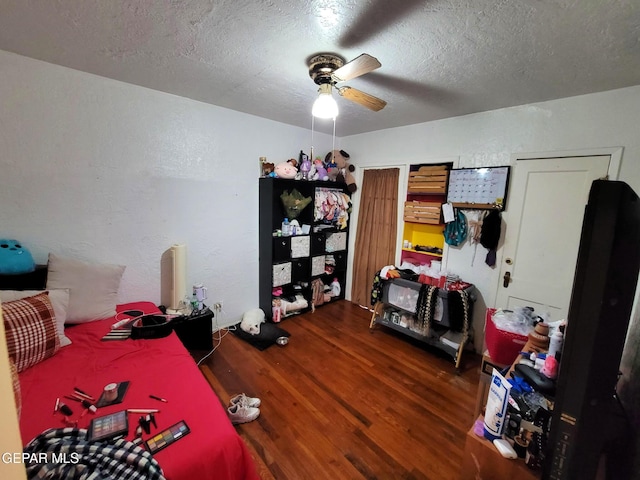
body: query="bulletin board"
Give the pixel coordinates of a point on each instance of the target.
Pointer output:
(478, 188)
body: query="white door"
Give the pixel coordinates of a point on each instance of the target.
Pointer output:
(546, 208)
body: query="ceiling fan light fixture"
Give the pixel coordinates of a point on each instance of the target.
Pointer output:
(325, 105)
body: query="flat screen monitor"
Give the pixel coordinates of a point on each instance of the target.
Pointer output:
(599, 312)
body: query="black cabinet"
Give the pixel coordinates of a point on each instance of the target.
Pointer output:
(289, 265)
(36, 280)
(195, 330)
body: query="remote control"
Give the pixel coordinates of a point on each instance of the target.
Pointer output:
(167, 437)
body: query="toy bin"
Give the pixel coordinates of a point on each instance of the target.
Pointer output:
(503, 346)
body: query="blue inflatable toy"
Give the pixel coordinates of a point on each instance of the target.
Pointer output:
(14, 258)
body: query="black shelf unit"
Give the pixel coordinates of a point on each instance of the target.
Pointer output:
(281, 252)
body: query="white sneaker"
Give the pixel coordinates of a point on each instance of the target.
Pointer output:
(239, 413)
(244, 400)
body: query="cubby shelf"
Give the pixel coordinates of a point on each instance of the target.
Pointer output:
(423, 211)
(294, 262)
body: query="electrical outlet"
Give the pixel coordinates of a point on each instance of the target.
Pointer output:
(218, 306)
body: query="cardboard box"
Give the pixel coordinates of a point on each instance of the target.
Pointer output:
(482, 461)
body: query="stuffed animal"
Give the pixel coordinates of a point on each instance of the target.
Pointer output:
(285, 170)
(251, 321)
(343, 171)
(330, 165)
(321, 171)
(14, 258)
(267, 169)
(305, 168)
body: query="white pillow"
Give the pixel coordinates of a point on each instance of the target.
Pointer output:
(93, 288)
(59, 301)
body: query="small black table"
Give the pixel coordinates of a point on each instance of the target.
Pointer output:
(195, 330)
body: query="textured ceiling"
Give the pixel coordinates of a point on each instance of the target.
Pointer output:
(440, 58)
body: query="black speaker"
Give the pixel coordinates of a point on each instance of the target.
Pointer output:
(599, 312)
(195, 331)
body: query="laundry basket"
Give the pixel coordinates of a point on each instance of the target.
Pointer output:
(503, 346)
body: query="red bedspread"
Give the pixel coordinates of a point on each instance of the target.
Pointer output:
(161, 367)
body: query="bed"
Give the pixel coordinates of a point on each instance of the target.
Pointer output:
(161, 367)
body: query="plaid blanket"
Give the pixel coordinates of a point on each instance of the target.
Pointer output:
(66, 453)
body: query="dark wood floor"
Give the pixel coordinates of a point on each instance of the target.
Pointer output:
(341, 402)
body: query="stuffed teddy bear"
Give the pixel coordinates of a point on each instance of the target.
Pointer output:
(251, 321)
(343, 169)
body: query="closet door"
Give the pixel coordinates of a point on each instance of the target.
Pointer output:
(546, 209)
(376, 233)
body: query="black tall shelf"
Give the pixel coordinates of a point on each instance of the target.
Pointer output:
(283, 252)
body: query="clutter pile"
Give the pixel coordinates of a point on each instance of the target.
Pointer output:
(520, 397)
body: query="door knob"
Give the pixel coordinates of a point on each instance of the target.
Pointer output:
(507, 279)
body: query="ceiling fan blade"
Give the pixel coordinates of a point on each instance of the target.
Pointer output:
(358, 66)
(361, 98)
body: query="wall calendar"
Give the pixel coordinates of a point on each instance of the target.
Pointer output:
(479, 188)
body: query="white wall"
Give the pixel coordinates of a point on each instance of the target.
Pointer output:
(110, 172)
(493, 138)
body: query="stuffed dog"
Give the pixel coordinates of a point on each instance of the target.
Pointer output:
(340, 170)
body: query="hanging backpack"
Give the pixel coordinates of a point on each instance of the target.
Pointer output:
(455, 233)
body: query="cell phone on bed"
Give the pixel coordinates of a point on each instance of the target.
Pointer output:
(109, 426)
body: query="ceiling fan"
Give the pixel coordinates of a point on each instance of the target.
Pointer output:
(328, 69)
